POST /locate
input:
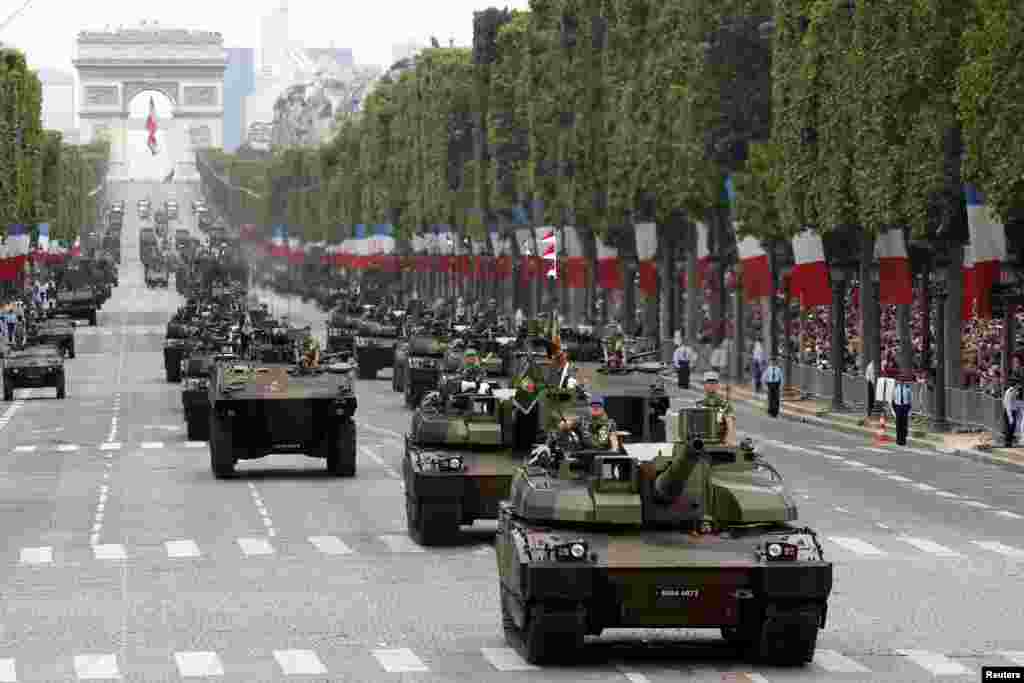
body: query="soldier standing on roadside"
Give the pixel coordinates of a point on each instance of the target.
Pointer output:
(773, 380)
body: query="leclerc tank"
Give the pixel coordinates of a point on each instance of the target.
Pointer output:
(690, 533)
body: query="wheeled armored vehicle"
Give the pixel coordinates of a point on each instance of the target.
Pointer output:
(689, 533)
(177, 345)
(196, 370)
(59, 332)
(79, 303)
(257, 409)
(33, 367)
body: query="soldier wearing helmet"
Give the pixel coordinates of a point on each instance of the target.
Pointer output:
(725, 416)
(598, 431)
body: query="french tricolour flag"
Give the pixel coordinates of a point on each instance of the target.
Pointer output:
(757, 273)
(646, 252)
(986, 252)
(895, 283)
(809, 280)
(278, 242)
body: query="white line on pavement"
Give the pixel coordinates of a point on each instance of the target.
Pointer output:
(400, 543)
(506, 659)
(997, 547)
(96, 666)
(1009, 515)
(929, 546)
(935, 663)
(856, 545)
(182, 548)
(399, 660)
(833, 662)
(262, 509)
(299, 662)
(8, 670)
(198, 664)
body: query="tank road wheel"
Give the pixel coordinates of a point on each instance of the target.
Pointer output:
(222, 454)
(432, 523)
(341, 449)
(786, 636)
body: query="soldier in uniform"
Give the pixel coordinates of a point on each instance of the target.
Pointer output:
(617, 347)
(310, 351)
(598, 431)
(725, 416)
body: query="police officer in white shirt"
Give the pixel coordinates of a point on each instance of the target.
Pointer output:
(682, 359)
(772, 379)
(901, 404)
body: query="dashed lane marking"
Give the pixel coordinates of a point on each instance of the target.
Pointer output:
(929, 546)
(976, 504)
(42, 555)
(109, 551)
(935, 663)
(198, 664)
(299, 662)
(401, 544)
(195, 444)
(1009, 515)
(997, 547)
(857, 546)
(330, 545)
(855, 463)
(67, 447)
(255, 546)
(182, 548)
(24, 449)
(833, 662)
(8, 671)
(947, 494)
(840, 509)
(897, 477)
(110, 446)
(262, 509)
(152, 444)
(96, 666)
(925, 487)
(399, 660)
(506, 659)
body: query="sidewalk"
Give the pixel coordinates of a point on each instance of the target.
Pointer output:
(977, 446)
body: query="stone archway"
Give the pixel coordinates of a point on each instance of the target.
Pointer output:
(185, 67)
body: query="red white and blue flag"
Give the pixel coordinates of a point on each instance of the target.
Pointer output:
(151, 127)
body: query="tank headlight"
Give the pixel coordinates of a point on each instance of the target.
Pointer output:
(578, 550)
(781, 551)
(774, 550)
(454, 463)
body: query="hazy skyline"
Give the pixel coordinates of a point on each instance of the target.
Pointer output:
(47, 29)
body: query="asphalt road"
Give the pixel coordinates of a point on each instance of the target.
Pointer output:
(125, 559)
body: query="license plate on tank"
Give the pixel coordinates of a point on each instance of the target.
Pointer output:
(675, 595)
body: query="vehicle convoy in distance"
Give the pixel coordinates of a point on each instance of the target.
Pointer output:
(257, 409)
(375, 347)
(34, 367)
(690, 533)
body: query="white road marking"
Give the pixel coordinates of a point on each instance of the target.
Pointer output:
(400, 543)
(330, 545)
(997, 547)
(109, 551)
(936, 664)
(947, 494)
(67, 447)
(1017, 657)
(41, 555)
(754, 677)
(929, 546)
(1009, 515)
(877, 450)
(255, 546)
(832, 457)
(195, 444)
(875, 470)
(506, 659)
(96, 666)
(925, 487)
(976, 504)
(182, 548)
(299, 662)
(634, 677)
(262, 509)
(856, 463)
(381, 430)
(840, 509)
(24, 449)
(400, 660)
(369, 453)
(152, 444)
(8, 671)
(833, 662)
(896, 477)
(856, 545)
(110, 446)
(198, 664)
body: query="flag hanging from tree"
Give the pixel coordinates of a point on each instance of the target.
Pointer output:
(151, 127)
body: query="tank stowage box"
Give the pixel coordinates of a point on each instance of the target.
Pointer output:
(675, 535)
(278, 408)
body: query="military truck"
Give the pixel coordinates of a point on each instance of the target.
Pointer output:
(375, 347)
(689, 533)
(59, 332)
(34, 366)
(424, 360)
(258, 409)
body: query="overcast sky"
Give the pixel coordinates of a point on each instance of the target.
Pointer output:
(46, 30)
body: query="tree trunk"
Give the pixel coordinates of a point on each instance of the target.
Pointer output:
(838, 341)
(903, 328)
(668, 294)
(694, 299)
(739, 336)
(953, 324)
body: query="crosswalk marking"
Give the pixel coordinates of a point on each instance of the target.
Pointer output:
(152, 444)
(8, 670)
(936, 664)
(856, 545)
(43, 555)
(182, 548)
(1009, 515)
(96, 666)
(1017, 657)
(930, 546)
(110, 446)
(109, 551)
(255, 546)
(506, 659)
(198, 664)
(24, 449)
(400, 543)
(399, 660)
(997, 547)
(67, 447)
(330, 545)
(833, 662)
(299, 662)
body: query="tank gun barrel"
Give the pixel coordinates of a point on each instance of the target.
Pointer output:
(671, 481)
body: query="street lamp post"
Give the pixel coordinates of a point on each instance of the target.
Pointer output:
(938, 282)
(838, 335)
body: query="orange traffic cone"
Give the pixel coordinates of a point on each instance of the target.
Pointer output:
(881, 437)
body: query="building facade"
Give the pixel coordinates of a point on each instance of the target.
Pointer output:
(239, 83)
(58, 100)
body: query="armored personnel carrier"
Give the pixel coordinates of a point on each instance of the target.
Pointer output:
(259, 409)
(195, 394)
(34, 366)
(689, 533)
(78, 304)
(59, 332)
(375, 347)
(422, 368)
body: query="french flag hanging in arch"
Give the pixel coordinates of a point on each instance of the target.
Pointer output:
(810, 273)
(987, 251)
(895, 283)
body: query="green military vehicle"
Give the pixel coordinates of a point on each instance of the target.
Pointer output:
(195, 395)
(33, 367)
(375, 347)
(59, 332)
(156, 275)
(341, 333)
(260, 409)
(634, 396)
(422, 367)
(78, 303)
(177, 345)
(689, 533)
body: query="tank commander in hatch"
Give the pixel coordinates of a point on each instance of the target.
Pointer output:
(598, 431)
(725, 416)
(310, 351)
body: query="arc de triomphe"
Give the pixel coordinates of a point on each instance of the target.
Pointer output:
(186, 66)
